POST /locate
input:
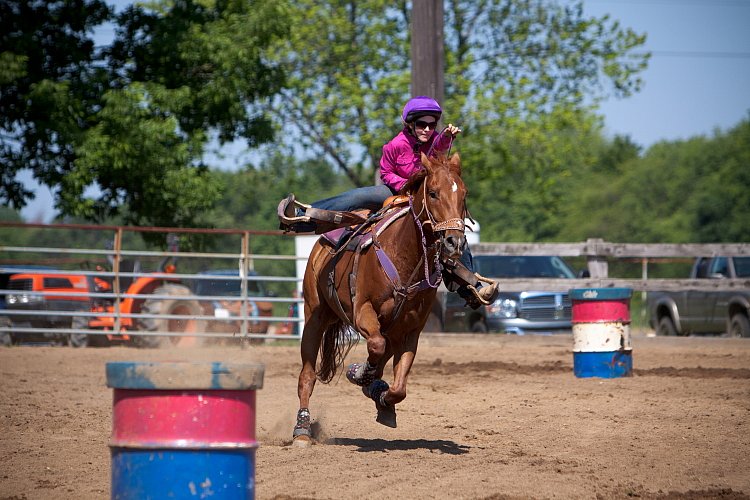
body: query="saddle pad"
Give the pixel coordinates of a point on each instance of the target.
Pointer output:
(333, 237)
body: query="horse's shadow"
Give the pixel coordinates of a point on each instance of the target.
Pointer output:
(369, 445)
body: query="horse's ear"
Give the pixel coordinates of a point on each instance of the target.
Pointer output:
(454, 164)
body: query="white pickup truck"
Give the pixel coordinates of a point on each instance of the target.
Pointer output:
(701, 311)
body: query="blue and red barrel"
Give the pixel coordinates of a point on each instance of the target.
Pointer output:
(601, 332)
(183, 430)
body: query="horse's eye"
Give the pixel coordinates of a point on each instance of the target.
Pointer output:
(433, 195)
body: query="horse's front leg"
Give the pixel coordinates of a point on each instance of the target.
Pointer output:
(403, 360)
(364, 374)
(386, 398)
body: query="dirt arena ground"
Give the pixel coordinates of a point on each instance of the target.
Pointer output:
(486, 417)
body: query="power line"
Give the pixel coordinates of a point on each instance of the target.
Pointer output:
(707, 3)
(701, 54)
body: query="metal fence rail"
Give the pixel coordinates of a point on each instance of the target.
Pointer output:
(108, 305)
(120, 312)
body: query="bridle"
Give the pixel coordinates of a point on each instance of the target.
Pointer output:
(455, 223)
(442, 226)
(430, 268)
(437, 227)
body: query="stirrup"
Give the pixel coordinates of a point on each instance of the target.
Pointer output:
(287, 212)
(487, 294)
(482, 296)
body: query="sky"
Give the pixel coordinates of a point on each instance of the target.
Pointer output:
(698, 80)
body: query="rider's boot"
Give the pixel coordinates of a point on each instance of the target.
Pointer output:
(479, 295)
(292, 216)
(475, 289)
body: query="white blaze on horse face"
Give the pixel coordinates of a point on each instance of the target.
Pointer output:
(454, 187)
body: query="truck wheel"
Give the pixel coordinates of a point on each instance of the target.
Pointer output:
(479, 327)
(739, 326)
(666, 327)
(79, 339)
(174, 306)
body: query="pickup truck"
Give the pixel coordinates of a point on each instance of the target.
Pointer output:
(513, 312)
(41, 290)
(700, 311)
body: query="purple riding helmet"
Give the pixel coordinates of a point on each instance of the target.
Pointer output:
(420, 106)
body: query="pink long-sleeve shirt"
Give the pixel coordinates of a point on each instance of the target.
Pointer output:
(401, 157)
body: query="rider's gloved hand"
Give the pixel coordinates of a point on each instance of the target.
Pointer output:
(452, 130)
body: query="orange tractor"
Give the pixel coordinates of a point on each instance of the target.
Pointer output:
(165, 300)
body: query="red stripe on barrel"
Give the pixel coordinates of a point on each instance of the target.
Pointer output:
(184, 417)
(601, 311)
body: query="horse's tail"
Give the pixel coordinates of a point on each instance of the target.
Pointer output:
(338, 340)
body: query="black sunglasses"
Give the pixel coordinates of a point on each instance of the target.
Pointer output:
(423, 124)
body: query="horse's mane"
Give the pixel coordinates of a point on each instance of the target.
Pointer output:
(415, 181)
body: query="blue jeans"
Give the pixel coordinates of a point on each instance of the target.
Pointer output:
(369, 197)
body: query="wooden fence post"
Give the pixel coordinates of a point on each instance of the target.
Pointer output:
(596, 262)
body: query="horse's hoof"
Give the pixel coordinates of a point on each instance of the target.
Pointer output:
(386, 416)
(302, 441)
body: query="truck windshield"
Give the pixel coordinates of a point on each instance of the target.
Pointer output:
(742, 267)
(515, 266)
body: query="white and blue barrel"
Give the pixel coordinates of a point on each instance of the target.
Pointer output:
(601, 332)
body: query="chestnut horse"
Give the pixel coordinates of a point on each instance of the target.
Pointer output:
(383, 290)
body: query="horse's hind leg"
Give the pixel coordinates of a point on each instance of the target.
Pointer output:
(317, 321)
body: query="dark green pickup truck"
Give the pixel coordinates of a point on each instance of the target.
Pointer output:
(702, 311)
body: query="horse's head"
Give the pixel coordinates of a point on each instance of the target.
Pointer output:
(440, 199)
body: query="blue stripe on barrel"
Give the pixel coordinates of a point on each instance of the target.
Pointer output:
(601, 332)
(174, 473)
(183, 430)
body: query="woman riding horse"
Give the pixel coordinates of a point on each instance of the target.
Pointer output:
(400, 160)
(381, 283)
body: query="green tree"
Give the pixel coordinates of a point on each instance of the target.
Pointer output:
(696, 190)
(721, 198)
(120, 133)
(48, 88)
(508, 64)
(250, 197)
(519, 180)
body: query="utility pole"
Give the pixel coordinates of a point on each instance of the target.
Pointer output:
(427, 53)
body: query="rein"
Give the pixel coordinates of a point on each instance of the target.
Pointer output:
(451, 223)
(430, 280)
(432, 146)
